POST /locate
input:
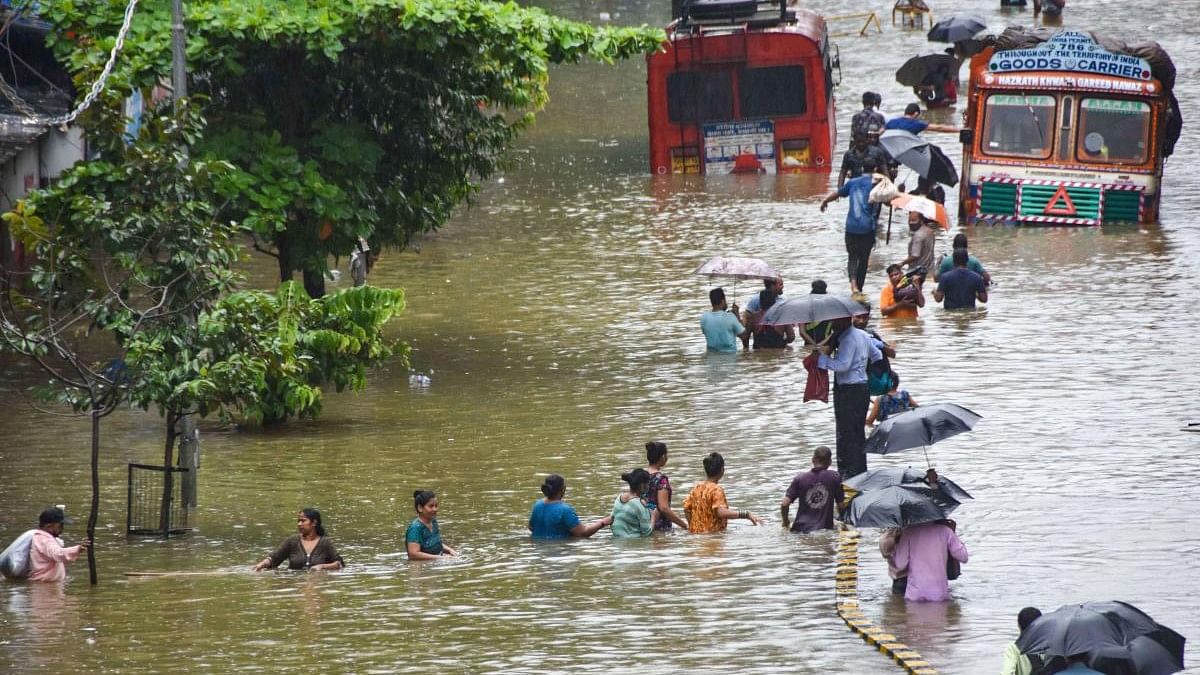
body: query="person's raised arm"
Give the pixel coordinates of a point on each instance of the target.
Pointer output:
(729, 514)
(945, 128)
(584, 531)
(665, 510)
(874, 414)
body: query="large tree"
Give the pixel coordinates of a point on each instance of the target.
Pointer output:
(371, 118)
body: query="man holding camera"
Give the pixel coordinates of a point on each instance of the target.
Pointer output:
(903, 293)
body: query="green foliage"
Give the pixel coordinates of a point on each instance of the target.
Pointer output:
(264, 357)
(125, 245)
(348, 118)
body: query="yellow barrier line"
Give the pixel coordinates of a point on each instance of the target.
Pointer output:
(846, 590)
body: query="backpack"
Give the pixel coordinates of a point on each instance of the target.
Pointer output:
(863, 120)
(14, 561)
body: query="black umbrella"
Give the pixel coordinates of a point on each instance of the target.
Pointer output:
(920, 427)
(915, 70)
(956, 29)
(878, 479)
(1116, 636)
(918, 154)
(899, 506)
(1159, 652)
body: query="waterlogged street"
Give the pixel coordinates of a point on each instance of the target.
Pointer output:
(557, 322)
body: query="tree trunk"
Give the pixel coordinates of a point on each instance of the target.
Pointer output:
(91, 523)
(189, 458)
(284, 250)
(314, 283)
(164, 518)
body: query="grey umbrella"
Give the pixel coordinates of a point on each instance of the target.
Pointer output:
(920, 427)
(1116, 636)
(899, 506)
(920, 155)
(878, 479)
(956, 29)
(812, 307)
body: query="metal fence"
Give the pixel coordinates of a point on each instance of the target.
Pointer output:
(143, 514)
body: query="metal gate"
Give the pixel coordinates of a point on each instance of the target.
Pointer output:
(143, 514)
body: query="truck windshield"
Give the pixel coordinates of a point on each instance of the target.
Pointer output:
(1018, 126)
(1113, 131)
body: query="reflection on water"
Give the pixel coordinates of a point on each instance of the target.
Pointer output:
(558, 322)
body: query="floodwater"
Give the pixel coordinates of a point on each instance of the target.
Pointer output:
(557, 321)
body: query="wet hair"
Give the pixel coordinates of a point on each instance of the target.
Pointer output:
(895, 377)
(819, 287)
(315, 516)
(960, 257)
(768, 283)
(1027, 616)
(868, 165)
(637, 479)
(714, 464)
(554, 485)
(766, 299)
(894, 267)
(878, 99)
(868, 98)
(716, 296)
(655, 451)
(823, 456)
(912, 108)
(960, 240)
(422, 497)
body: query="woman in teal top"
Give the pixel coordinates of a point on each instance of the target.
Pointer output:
(423, 540)
(631, 517)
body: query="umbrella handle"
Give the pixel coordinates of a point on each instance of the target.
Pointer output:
(888, 240)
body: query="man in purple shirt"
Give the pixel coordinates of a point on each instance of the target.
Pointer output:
(923, 550)
(818, 490)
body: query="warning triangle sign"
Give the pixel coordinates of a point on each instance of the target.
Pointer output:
(1060, 204)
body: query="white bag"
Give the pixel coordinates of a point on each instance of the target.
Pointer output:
(884, 191)
(14, 561)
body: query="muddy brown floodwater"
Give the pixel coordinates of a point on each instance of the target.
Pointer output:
(557, 321)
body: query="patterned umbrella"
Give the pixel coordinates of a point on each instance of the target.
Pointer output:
(737, 268)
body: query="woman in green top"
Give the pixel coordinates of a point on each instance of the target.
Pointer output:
(423, 540)
(631, 517)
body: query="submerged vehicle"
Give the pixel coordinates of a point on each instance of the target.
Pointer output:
(742, 86)
(1066, 130)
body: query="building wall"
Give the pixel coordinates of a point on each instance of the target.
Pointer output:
(37, 165)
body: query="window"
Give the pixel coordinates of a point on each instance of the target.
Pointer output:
(699, 96)
(771, 92)
(1113, 130)
(1018, 126)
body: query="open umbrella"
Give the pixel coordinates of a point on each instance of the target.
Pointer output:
(899, 506)
(924, 206)
(1116, 636)
(890, 476)
(915, 70)
(737, 268)
(920, 155)
(812, 307)
(920, 427)
(956, 29)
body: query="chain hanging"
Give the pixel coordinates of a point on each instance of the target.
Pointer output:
(97, 87)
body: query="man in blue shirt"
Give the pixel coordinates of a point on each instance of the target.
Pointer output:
(721, 327)
(912, 122)
(851, 394)
(860, 223)
(960, 287)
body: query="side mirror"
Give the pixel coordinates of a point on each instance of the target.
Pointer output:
(966, 136)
